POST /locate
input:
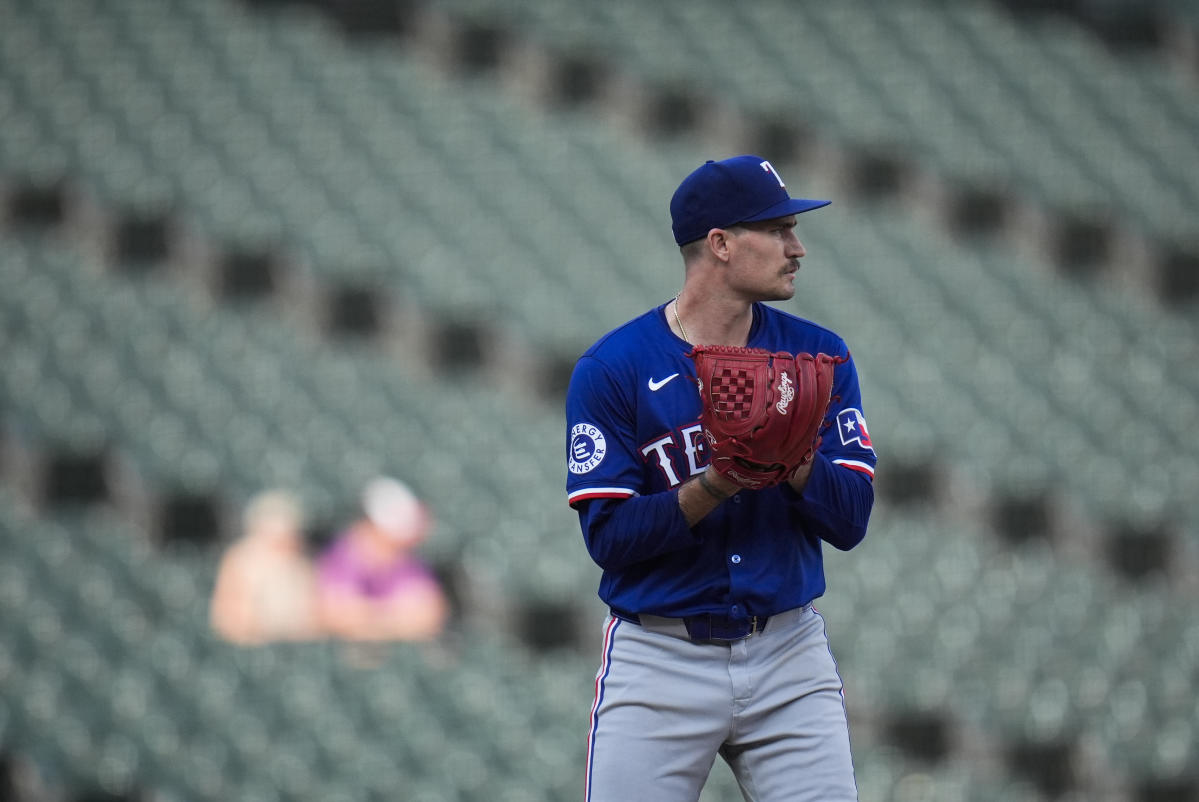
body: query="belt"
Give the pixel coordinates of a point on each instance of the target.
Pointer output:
(708, 627)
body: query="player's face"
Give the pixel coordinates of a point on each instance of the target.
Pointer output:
(765, 259)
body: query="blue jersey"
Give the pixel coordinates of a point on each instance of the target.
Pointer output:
(633, 436)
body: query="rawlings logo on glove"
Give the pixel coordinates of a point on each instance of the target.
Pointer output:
(786, 393)
(757, 438)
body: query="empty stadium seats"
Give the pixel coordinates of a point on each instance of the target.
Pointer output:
(291, 152)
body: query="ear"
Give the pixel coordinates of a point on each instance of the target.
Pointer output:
(718, 243)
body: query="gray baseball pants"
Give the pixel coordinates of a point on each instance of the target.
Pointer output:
(770, 704)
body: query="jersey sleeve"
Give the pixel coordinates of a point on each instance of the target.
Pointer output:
(846, 442)
(600, 436)
(836, 502)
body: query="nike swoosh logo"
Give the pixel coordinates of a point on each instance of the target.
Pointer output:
(655, 386)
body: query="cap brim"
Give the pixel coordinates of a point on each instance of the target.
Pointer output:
(789, 206)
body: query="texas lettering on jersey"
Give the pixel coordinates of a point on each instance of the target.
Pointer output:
(678, 456)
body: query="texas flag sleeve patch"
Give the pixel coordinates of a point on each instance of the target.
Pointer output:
(851, 425)
(853, 434)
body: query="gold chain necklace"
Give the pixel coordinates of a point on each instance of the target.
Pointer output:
(679, 320)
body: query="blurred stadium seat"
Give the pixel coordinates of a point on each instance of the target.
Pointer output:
(290, 151)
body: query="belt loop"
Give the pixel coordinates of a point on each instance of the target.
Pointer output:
(699, 627)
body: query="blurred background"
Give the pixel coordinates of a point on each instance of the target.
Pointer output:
(254, 245)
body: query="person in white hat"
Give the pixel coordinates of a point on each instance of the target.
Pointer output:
(372, 585)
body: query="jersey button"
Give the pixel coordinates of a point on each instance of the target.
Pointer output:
(736, 559)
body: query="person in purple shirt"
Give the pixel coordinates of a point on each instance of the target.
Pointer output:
(371, 584)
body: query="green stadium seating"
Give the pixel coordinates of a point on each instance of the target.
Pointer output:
(369, 163)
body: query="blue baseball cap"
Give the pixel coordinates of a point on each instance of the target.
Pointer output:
(719, 194)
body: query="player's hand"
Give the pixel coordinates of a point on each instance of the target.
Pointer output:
(799, 479)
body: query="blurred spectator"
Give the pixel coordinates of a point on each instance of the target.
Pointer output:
(372, 586)
(266, 587)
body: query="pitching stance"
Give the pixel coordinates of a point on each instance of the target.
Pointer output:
(714, 445)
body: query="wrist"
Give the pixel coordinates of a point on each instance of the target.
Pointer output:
(717, 486)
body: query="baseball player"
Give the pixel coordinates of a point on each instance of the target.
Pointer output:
(710, 542)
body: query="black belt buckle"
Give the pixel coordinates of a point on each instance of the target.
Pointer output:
(723, 628)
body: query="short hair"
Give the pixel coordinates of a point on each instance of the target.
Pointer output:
(692, 250)
(273, 504)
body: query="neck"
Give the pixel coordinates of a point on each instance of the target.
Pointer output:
(711, 320)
